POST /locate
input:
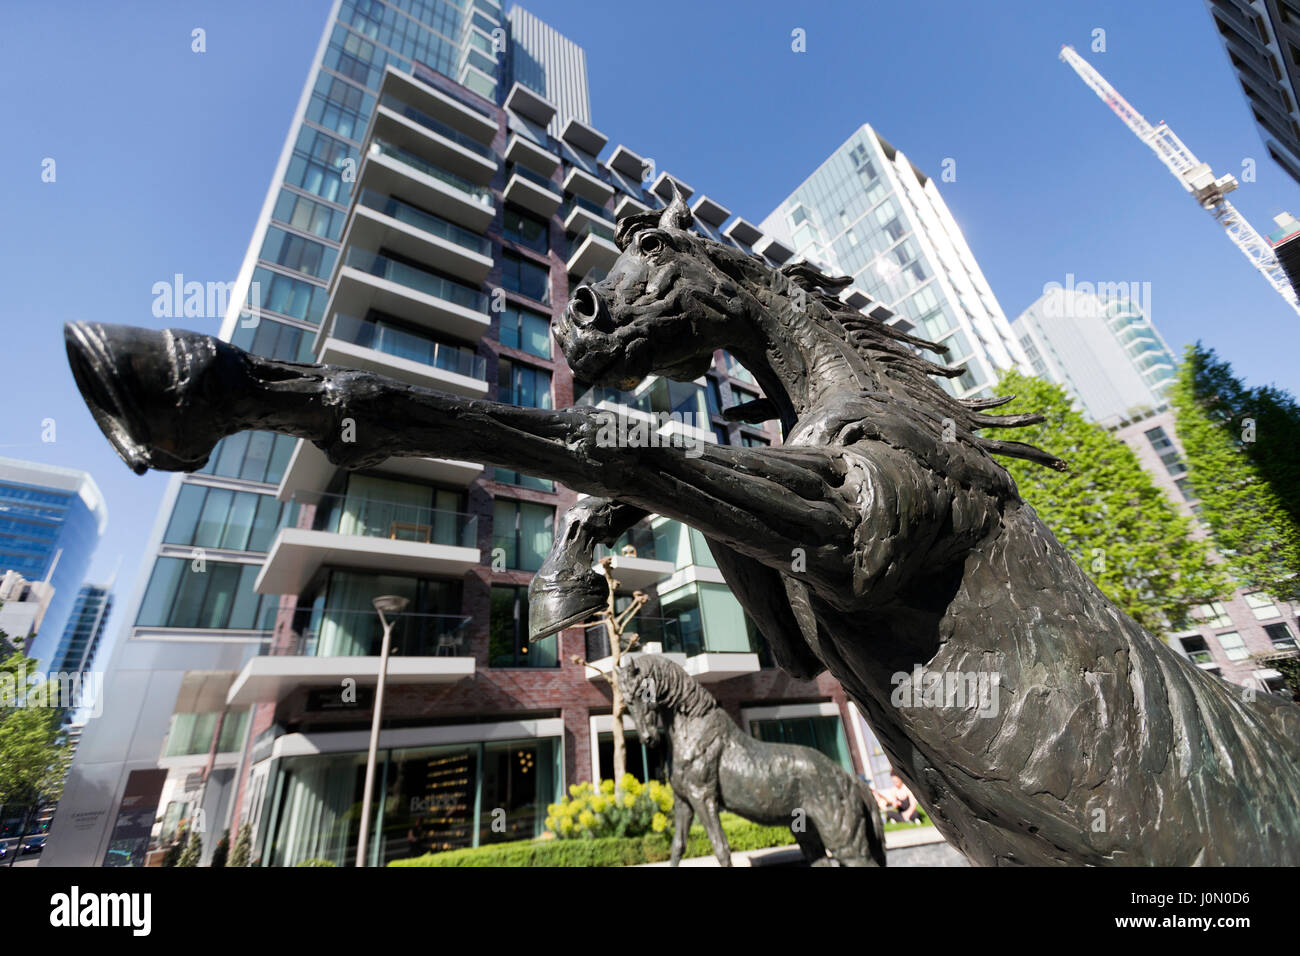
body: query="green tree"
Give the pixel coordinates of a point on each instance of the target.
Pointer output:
(1240, 448)
(33, 758)
(241, 853)
(1121, 529)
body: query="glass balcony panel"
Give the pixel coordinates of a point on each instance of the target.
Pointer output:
(479, 194)
(415, 278)
(439, 127)
(404, 343)
(434, 225)
(342, 632)
(374, 518)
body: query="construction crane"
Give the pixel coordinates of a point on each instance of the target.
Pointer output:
(1197, 178)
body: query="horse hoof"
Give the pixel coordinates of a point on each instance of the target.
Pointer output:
(560, 601)
(151, 391)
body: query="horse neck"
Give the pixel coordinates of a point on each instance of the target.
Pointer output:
(795, 358)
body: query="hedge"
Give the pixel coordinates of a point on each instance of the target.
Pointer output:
(606, 851)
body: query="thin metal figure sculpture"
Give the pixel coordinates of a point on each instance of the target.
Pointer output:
(716, 766)
(880, 538)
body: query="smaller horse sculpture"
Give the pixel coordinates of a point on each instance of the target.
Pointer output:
(715, 766)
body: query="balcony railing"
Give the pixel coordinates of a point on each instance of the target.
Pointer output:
(374, 518)
(660, 398)
(649, 630)
(328, 632)
(537, 178)
(399, 342)
(581, 202)
(479, 194)
(380, 265)
(427, 222)
(641, 538)
(589, 229)
(439, 127)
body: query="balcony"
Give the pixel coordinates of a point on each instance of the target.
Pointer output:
(533, 191)
(439, 105)
(401, 354)
(310, 470)
(582, 183)
(357, 532)
(649, 630)
(394, 171)
(530, 104)
(520, 149)
(626, 162)
(325, 646)
(368, 281)
(592, 248)
(583, 137)
(644, 567)
(627, 206)
(579, 212)
(380, 221)
(405, 126)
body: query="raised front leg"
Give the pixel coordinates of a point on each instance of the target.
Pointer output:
(683, 814)
(164, 399)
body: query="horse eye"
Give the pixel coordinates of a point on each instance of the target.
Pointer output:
(651, 244)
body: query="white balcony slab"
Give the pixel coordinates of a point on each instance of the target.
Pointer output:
(372, 229)
(523, 150)
(532, 196)
(605, 664)
(595, 252)
(310, 470)
(271, 678)
(356, 292)
(709, 667)
(298, 553)
(393, 177)
(581, 183)
(581, 136)
(530, 104)
(338, 352)
(638, 574)
(627, 206)
(391, 126)
(439, 105)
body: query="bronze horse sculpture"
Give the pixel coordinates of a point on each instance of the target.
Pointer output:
(881, 537)
(717, 766)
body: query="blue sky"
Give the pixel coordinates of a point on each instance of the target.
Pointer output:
(164, 157)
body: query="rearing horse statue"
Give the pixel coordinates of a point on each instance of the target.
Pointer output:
(881, 537)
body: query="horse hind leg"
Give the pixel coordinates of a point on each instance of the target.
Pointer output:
(811, 845)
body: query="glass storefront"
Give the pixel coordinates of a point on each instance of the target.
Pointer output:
(820, 733)
(427, 800)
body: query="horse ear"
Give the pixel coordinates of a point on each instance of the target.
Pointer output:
(677, 215)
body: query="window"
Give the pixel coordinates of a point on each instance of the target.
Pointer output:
(1159, 440)
(525, 277)
(720, 433)
(527, 230)
(1280, 635)
(523, 385)
(1197, 650)
(308, 215)
(253, 456)
(525, 330)
(508, 640)
(753, 441)
(1233, 646)
(295, 252)
(1186, 489)
(275, 340)
(522, 480)
(825, 734)
(218, 596)
(296, 298)
(713, 397)
(220, 518)
(522, 533)
(1262, 605)
(1213, 615)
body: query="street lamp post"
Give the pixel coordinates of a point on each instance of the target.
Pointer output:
(394, 605)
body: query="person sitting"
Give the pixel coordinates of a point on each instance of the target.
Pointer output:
(897, 802)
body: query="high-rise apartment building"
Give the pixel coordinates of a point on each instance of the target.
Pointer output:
(51, 520)
(428, 217)
(85, 631)
(1262, 40)
(1101, 347)
(867, 212)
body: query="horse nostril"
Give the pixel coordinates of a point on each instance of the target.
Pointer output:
(585, 303)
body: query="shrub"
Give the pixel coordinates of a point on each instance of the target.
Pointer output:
(317, 861)
(592, 813)
(193, 850)
(243, 848)
(606, 851)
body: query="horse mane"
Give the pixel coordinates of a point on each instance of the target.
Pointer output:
(673, 687)
(879, 345)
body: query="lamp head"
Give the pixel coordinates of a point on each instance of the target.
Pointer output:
(390, 603)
